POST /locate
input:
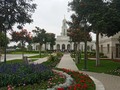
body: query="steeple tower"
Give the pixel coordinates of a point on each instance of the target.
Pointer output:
(64, 28)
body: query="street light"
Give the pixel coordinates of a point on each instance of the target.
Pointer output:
(83, 24)
(6, 25)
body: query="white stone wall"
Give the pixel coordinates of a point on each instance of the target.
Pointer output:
(112, 41)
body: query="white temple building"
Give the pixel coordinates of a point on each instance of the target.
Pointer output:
(110, 46)
(63, 42)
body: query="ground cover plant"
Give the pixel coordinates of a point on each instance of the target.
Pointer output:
(56, 79)
(82, 81)
(107, 66)
(18, 74)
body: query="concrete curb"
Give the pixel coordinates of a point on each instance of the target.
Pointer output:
(99, 85)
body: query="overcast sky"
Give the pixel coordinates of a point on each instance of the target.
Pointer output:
(49, 15)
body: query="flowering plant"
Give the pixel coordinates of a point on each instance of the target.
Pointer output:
(82, 81)
(21, 74)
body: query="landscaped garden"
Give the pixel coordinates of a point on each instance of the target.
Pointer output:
(20, 76)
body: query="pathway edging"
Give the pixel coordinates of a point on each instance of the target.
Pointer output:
(98, 84)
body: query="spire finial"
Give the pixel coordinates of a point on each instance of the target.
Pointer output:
(64, 16)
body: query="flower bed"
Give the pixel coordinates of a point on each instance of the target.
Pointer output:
(29, 77)
(18, 74)
(82, 82)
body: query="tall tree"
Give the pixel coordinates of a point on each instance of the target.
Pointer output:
(39, 37)
(15, 11)
(77, 34)
(104, 17)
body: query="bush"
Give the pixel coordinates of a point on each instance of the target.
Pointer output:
(93, 54)
(53, 60)
(59, 54)
(20, 74)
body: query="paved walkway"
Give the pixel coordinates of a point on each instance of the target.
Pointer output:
(40, 60)
(110, 82)
(15, 56)
(67, 62)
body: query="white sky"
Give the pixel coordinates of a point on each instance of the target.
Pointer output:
(49, 15)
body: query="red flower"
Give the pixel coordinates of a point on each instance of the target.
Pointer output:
(85, 86)
(78, 85)
(60, 88)
(82, 81)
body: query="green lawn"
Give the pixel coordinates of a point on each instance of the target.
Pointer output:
(106, 66)
(18, 61)
(25, 52)
(38, 56)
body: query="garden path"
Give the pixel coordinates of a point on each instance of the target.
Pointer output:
(40, 60)
(67, 62)
(110, 82)
(15, 56)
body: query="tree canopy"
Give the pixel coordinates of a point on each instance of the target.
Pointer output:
(75, 32)
(15, 11)
(2, 39)
(103, 16)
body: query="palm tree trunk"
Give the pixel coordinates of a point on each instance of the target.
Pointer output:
(97, 49)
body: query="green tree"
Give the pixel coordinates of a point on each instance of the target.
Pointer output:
(77, 34)
(2, 42)
(51, 39)
(39, 37)
(103, 16)
(23, 36)
(15, 11)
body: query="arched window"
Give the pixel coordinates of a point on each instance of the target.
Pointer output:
(68, 47)
(63, 47)
(58, 46)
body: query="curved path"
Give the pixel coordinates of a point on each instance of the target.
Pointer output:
(110, 82)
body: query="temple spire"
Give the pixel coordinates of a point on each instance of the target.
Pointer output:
(64, 27)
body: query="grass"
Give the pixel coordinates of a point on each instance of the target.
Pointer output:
(106, 66)
(18, 61)
(25, 52)
(38, 56)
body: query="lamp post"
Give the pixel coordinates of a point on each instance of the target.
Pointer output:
(83, 24)
(6, 25)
